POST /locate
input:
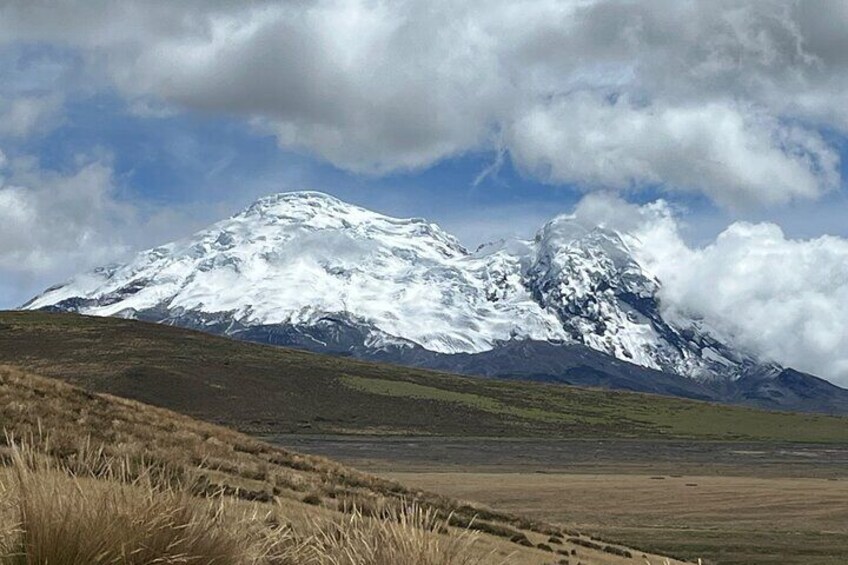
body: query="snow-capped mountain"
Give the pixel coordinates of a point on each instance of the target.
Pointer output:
(308, 270)
(297, 258)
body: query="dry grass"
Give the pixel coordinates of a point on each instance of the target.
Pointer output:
(411, 536)
(110, 512)
(106, 513)
(739, 520)
(85, 427)
(105, 480)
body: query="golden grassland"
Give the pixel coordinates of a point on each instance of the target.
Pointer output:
(734, 520)
(100, 479)
(98, 511)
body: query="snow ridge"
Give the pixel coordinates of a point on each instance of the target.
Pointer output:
(299, 259)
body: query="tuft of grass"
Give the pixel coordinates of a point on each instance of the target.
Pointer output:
(105, 514)
(409, 535)
(69, 517)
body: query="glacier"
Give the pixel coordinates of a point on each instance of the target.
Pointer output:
(306, 259)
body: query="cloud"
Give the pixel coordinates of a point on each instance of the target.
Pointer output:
(54, 224)
(33, 83)
(49, 220)
(25, 115)
(723, 98)
(785, 299)
(735, 155)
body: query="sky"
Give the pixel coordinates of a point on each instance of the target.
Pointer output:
(715, 131)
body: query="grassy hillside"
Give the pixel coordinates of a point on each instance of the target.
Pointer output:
(105, 480)
(261, 389)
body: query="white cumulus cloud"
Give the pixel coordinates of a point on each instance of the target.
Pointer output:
(50, 221)
(785, 299)
(54, 224)
(736, 155)
(718, 97)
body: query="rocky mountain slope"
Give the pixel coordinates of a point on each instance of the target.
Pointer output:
(308, 270)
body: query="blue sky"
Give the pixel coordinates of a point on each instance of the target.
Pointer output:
(125, 124)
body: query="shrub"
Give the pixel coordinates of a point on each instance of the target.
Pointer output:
(312, 499)
(586, 543)
(618, 551)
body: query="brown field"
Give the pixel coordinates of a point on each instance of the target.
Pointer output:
(113, 477)
(724, 502)
(755, 520)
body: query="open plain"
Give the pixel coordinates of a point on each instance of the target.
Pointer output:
(723, 502)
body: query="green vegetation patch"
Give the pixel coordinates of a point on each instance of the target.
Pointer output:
(273, 390)
(405, 389)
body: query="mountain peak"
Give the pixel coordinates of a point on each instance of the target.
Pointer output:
(298, 198)
(320, 211)
(307, 259)
(566, 229)
(303, 205)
